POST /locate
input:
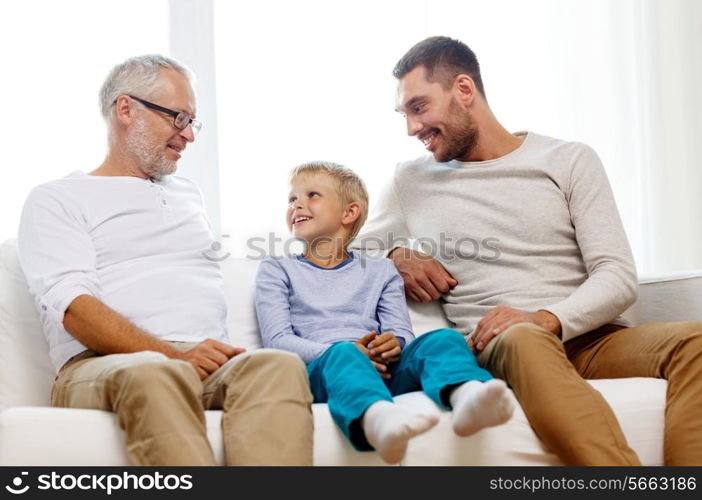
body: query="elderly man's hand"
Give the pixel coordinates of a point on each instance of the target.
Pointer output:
(502, 317)
(425, 279)
(209, 355)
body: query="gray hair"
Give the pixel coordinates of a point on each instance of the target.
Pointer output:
(137, 75)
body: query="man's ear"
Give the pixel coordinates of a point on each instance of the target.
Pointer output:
(465, 89)
(352, 213)
(124, 110)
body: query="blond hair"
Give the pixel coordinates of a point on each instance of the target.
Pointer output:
(350, 187)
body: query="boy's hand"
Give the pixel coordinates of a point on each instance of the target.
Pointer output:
(385, 348)
(379, 364)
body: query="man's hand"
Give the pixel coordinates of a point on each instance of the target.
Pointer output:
(209, 355)
(385, 348)
(425, 279)
(362, 344)
(502, 317)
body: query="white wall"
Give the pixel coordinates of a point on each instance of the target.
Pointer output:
(55, 56)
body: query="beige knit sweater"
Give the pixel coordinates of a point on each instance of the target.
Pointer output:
(535, 229)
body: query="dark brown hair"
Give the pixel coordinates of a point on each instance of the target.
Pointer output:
(444, 58)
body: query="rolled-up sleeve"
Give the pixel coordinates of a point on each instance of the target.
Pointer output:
(56, 252)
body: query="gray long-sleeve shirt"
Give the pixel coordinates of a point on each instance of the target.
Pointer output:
(304, 308)
(535, 229)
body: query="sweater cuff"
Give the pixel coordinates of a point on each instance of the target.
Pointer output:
(567, 330)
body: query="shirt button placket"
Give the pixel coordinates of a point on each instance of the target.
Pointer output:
(164, 202)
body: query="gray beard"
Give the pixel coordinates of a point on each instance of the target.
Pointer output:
(151, 159)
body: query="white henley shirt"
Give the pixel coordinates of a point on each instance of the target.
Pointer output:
(137, 245)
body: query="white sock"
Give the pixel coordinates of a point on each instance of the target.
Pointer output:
(388, 428)
(477, 405)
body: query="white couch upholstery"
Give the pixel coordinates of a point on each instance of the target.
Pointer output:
(31, 433)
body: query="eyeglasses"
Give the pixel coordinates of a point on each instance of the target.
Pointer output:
(181, 119)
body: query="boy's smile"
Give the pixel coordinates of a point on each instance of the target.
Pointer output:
(314, 207)
(299, 219)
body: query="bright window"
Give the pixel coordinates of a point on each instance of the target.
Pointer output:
(300, 81)
(283, 82)
(55, 57)
(308, 80)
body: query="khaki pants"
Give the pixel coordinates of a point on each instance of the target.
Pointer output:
(160, 404)
(573, 419)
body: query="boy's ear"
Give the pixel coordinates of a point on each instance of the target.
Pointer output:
(352, 213)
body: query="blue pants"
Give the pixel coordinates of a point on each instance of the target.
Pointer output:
(346, 379)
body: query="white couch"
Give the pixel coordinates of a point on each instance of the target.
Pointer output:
(31, 433)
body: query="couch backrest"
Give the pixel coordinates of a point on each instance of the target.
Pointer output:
(26, 373)
(239, 279)
(25, 369)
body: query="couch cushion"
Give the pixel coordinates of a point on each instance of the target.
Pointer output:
(39, 436)
(56, 437)
(53, 436)
(638, 403)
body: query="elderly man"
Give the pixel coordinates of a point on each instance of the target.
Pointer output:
(133, 312)
(532, 260)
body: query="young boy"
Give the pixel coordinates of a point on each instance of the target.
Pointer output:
(345, 315)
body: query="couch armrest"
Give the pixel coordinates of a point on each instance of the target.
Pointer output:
(668, 297)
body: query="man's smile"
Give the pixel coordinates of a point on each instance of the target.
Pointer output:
(429, 139)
